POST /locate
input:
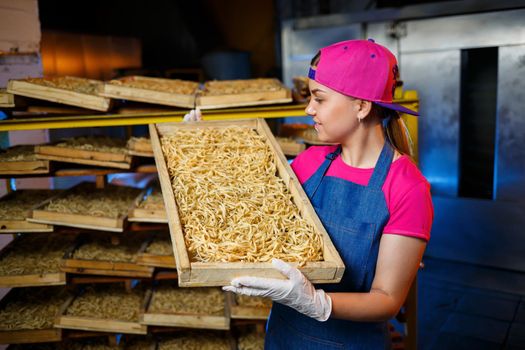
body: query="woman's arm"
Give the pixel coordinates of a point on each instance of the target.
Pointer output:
(397, 265)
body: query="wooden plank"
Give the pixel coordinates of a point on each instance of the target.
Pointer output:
(290, 147)
(104, 272)
(118, 89)
(76, 220)
(24, 167)
(207, 101)
(47, 279)
(201, 321)
(242, 312)
(166, 261)
(193, 274)
(79, 156)
(179, 247)
(20, 226)
(140, 147)
(137, 214)
(69, 97)
(31, 336)
(100, 325)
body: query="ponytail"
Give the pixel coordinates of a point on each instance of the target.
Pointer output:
(396, 131)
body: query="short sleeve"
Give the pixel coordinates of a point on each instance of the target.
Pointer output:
(413, 213)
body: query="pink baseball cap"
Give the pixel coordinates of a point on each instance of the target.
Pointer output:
(360, 69)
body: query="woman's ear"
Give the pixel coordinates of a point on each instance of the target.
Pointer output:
(364, 108)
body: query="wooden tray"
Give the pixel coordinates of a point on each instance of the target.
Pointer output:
(156, 94)
(103, 267)
(80, 156)
(155, 260)
(197, 334)
(140, 146)
(23, 167)
(19, 225)
(206, 101)
(216, 274)
(97, 324)
(32, 88)
(35, 279)
(138, 214)
(155, 318)
(7, 100)
(247, 312)
(23, 336)
(40, 215)
(290, 147)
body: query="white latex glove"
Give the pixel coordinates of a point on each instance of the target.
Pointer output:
(194, 115)
(296, 291)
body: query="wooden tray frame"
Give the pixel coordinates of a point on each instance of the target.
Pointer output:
(19, 167)
(22, 226)
(103, 267)
(97, 324)
(141, 149)
(53, 94)
(137, 214)
(24, 336)
(39, 215)
(80, 156)
(219, 274)
(199, 321)
(147, 95)
(283, 95)
(147, 259)
(32, 280)
(239, 312)
(7, 100)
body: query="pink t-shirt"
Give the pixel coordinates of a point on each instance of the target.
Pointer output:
(407, 192)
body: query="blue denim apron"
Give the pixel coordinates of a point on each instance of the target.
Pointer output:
(354, 216)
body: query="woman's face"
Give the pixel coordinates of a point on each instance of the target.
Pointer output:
(335, 115)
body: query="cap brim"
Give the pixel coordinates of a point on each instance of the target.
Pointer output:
(397, 107)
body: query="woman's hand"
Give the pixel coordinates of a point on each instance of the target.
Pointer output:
(194, 115)
(295, 291)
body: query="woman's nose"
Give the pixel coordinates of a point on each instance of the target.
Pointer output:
(309, 110)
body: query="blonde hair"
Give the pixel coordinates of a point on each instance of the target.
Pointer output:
(395, 130)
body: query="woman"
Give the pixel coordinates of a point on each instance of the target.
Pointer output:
(371, 198)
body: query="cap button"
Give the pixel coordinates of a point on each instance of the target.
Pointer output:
(371, 40)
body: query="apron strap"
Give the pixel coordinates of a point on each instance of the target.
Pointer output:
(321, 171)
(382, 167)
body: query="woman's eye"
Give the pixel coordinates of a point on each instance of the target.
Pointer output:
(318, 100)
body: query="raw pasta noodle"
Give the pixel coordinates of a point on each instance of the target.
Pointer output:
(18, 154)
(35, 254)
(107, 302)
(251, 340)
(112, 201)
(195, 341)
(160, 245)
(172, 299)
(258, 302)
(100, 248)
(232, 205)
(18, 204)
(95, 143)
(32, 308)
(91, 344)
(139, 344)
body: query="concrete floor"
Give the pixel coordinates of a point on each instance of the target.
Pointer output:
(462, 306)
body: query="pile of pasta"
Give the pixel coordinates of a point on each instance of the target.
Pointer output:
(195, 341)
(35, 254)
(175, 86)
(111, 302)
(232, 204)
(100, 247)
(32, 308)
(250, 340)
(153, 201)
(18, 154)
(160, 245)
(257, 302)
(95, 143)
(230, 87)
(112, 201)
(19, 203)
(85, 86)
(168, 298)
